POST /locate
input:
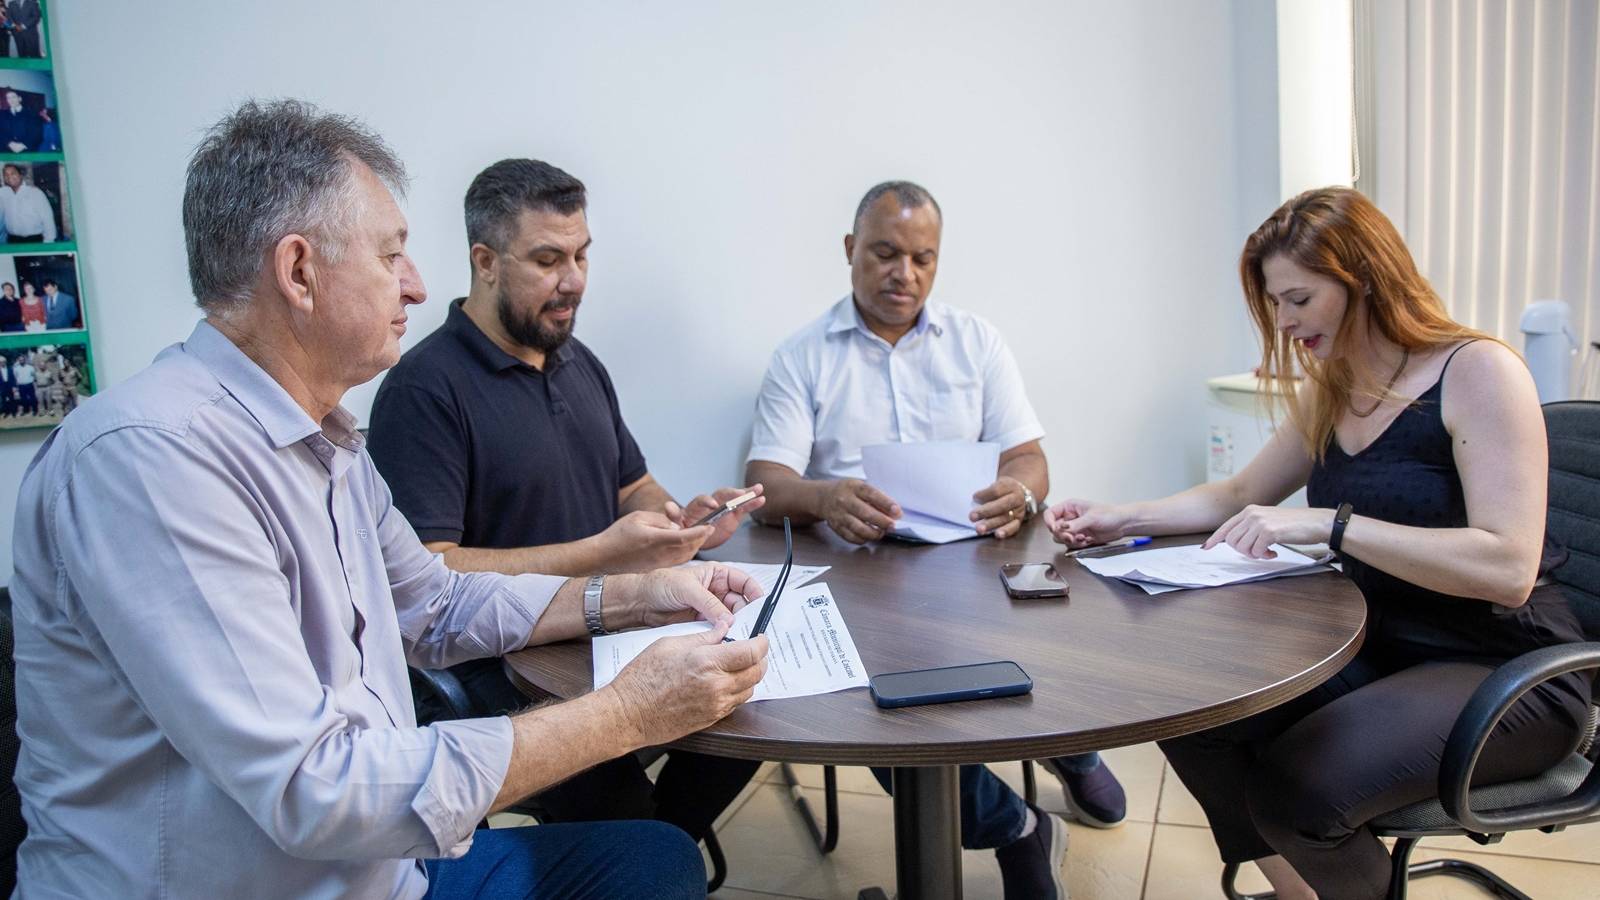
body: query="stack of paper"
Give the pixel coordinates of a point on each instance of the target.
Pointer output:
(1177, 568)
(933, 482)
(810, 651)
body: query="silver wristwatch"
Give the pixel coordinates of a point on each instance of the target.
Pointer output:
(1030, 506)
(591, 605)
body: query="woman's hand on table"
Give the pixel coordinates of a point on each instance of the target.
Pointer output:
(1081, 523)
(1254, 529)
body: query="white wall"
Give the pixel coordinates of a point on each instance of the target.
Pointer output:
(1315, 102)
(1099, 165)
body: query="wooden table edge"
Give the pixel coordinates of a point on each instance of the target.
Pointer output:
(1004, 749)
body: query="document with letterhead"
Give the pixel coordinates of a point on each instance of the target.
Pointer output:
(811, 651)
(933, 482)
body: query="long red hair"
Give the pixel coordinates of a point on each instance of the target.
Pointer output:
(1338, 233)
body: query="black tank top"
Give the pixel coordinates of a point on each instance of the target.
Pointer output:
(1408, 476)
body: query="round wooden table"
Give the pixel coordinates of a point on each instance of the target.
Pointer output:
(1111, 666)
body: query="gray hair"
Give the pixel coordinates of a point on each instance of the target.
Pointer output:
(267, 170)
(909, 195)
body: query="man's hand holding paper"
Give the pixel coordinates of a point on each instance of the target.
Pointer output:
(857, 511)
(711, 591)
(812, 651)
(998, 513)
(684, 683)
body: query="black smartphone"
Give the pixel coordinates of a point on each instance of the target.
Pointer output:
(971, 682)
(1028, 581)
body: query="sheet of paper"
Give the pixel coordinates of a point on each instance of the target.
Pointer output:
(933, 480)
(811, 650)
(1150, 588)
(1173, 568)
(914, 526)
(767, 573)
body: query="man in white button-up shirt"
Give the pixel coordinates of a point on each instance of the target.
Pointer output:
(885, 365)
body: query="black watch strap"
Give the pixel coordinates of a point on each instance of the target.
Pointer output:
(1341, 518)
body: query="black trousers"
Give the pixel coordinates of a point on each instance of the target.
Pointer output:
(1302, 780)
(690, 791)
(28, 43)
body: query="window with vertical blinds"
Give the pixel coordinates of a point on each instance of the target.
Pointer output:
(1479, 134)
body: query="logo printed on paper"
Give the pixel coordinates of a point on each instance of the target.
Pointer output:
(817, 601)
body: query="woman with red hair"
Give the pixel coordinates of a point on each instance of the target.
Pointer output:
(1422, 448)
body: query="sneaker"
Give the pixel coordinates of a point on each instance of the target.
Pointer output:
(1033, 868)
(1094, 798)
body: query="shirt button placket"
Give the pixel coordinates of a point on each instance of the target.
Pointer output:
(896, 381)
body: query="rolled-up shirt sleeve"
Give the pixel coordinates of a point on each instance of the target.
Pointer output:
(1008, 417)
(173, 562)
(785, 428)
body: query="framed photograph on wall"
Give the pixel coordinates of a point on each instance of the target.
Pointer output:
(34, 208)
(22, 37)
(48, 363)
(39, 292)
(29, 115)
(43, 380)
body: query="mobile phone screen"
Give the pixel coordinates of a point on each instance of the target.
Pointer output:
(1034, 577)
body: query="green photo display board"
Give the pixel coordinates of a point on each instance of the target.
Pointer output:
(44, 338)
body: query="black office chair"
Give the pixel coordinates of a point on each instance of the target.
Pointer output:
(439, 696)
(1568, 794)
(12, 827)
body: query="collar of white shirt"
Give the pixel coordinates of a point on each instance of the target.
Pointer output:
(846, 317)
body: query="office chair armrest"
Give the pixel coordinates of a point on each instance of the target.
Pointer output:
(444, 688)
(1498, 692)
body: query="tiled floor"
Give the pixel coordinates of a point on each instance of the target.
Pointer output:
(1163, 852)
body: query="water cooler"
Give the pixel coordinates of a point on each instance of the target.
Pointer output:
(1549, 345)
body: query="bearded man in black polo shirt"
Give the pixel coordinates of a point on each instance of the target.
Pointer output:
(502, 440)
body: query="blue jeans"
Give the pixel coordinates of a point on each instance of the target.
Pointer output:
(593, 861)
(992, 814)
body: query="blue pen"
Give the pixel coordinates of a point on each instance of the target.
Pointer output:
(1098, 549)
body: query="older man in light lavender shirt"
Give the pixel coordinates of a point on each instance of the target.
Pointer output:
(215, 600)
